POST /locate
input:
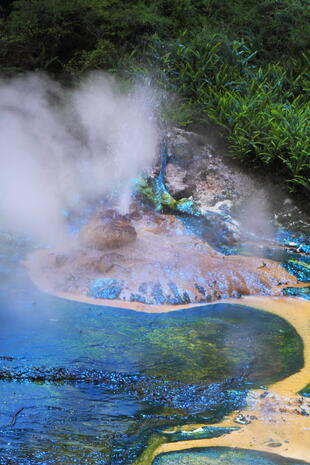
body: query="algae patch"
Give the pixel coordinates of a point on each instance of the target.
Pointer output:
(223, 456)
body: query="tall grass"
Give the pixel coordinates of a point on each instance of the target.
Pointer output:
(263, 108)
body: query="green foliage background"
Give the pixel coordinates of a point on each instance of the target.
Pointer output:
(242, 64)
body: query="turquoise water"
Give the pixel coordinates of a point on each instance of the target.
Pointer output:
(206, 344)
(84, 384)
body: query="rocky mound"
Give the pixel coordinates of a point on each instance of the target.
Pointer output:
(107, 230)
(154, 262)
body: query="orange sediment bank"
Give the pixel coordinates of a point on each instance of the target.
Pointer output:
(276, 426)
(297, 312)
(287, 437)
(43, 276)
(279, 419)
(165, 266)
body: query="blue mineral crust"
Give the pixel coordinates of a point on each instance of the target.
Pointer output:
(105, 288)
(303, 292)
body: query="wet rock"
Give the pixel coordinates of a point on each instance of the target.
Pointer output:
(183, 145)
(143, 288)
(177, 182)
(157, 294)
(138, 298)
(205, 175)
(224, 207)
(108, 230)
(105, 288)
(193, 167)
(200, 289)
(174, 187)
(242, 419)
(229, 231)
(291, 216)
(183, 399)
(303, 292)
(217, 219)
(220, 455)
(299, 269)
(204, 432)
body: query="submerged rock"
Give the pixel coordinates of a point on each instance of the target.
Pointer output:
(223, 456)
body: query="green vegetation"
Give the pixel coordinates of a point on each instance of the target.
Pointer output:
(157, 195)
(223, 455)
(240, 64)
(148, 454)
(305, 391)
(209, 345)
(263, 107)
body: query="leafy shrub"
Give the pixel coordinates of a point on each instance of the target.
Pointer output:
(264, 109)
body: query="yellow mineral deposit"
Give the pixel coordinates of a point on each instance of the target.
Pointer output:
(279, 419)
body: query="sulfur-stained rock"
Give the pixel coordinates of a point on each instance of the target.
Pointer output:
(110, 261)
(107, 230)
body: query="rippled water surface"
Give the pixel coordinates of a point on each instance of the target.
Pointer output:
(85, 384)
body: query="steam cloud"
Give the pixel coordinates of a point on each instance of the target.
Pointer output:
(60, 145)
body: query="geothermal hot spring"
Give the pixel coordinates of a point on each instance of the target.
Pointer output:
(154, 308)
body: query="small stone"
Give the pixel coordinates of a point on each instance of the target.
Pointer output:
(273, 444)
(242, 420)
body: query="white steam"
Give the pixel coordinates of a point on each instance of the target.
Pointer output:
(60, 145)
